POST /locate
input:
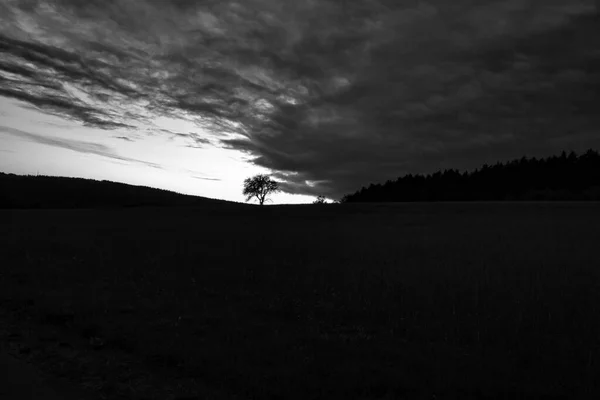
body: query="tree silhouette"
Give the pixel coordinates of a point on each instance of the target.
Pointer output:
(39, 191)
(259, 187)
(564, 177)
(320, 200)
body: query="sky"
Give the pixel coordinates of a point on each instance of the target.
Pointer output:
(327, 96)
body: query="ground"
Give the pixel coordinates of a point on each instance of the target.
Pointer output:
(480, 300)
(22, 381)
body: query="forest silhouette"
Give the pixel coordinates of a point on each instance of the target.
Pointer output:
(567, 177)
(37, 191)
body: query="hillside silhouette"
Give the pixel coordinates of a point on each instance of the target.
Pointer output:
(567, 177)
(18, 191)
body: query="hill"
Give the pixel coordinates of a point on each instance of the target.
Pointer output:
(17, 191)
(562, 178)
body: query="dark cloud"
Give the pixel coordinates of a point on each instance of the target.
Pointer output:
(204, 178)
(74, 145)
(192, 139)
(198, 142)
(64, 107)
(330, 95)
(125, 138)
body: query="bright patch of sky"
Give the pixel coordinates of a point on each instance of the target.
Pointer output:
(210, 172)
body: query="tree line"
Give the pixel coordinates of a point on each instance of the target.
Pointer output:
(563, 178)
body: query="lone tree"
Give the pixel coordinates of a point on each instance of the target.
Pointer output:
(259, 186)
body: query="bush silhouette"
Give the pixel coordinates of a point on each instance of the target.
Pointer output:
(320, 200)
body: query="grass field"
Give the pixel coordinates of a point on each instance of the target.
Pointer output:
(408, 301)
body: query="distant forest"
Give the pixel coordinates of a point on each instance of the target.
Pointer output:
(561, 178)
(17, 191)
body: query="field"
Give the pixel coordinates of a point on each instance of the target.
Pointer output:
(407, 301)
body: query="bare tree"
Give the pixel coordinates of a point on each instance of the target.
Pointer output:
(259, 187)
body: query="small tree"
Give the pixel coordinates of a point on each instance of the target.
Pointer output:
(320, 200)
(259, 186)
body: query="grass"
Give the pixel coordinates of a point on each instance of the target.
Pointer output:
(481, 300)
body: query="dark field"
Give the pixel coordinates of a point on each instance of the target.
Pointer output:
(408, 301)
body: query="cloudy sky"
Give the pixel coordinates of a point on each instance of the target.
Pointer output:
(326, 95)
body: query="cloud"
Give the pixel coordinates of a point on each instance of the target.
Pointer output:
(74, 145)
(330, 95)
(197, 175)
(125, 138)
(192, 139)
(204, 178)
